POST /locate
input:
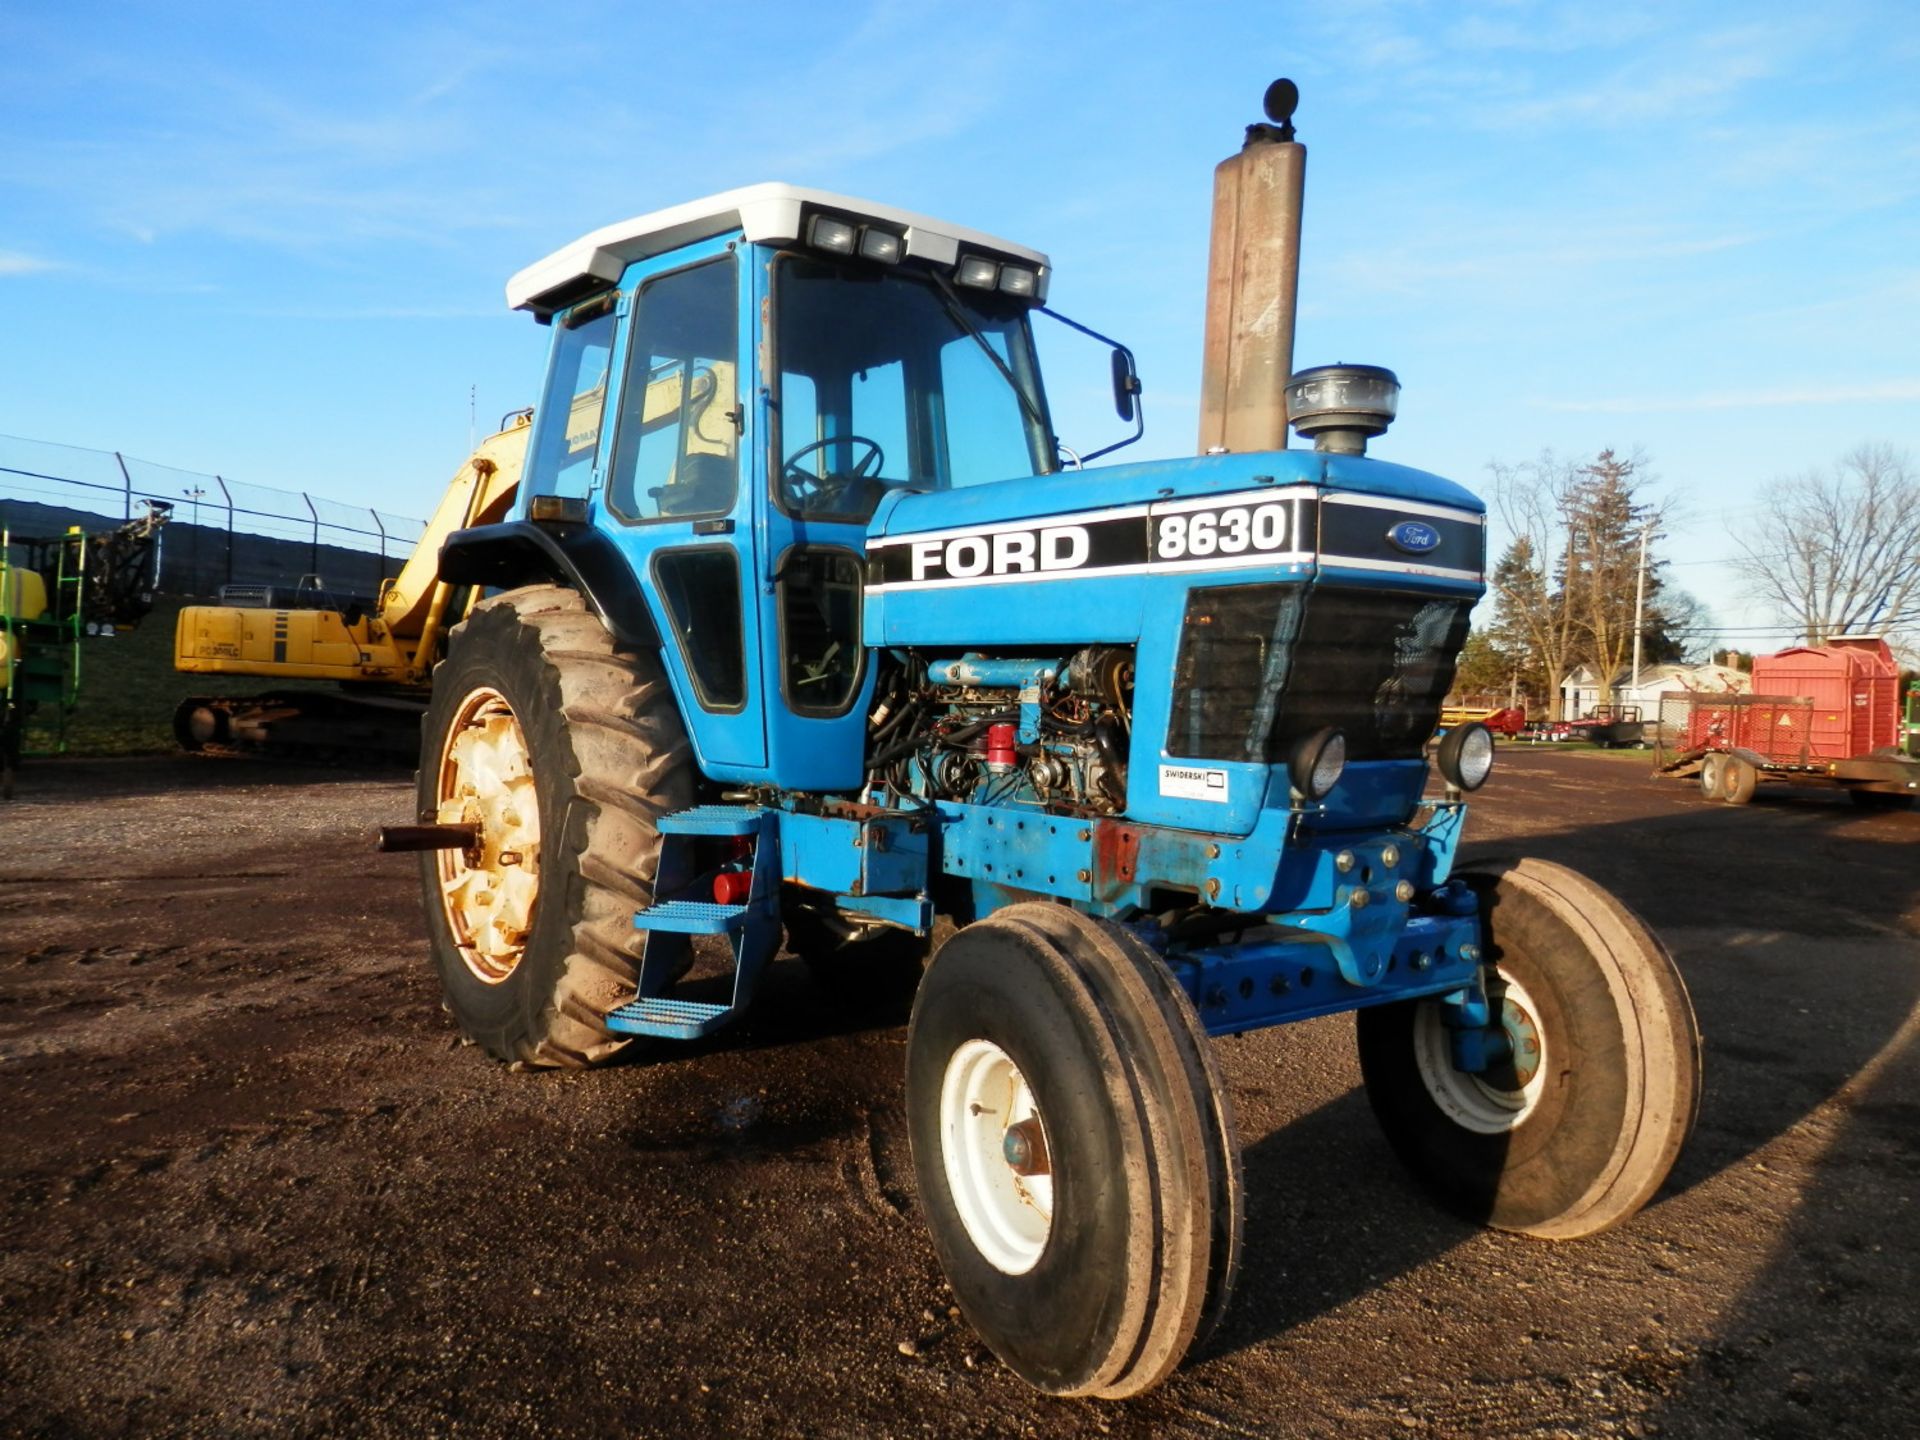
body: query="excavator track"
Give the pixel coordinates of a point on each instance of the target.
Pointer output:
(303, 724)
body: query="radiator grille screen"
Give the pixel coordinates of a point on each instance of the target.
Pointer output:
(1262, 665)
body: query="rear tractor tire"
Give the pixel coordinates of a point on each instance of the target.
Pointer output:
(1073, 1149)
(1581, 1128)
(565, 750)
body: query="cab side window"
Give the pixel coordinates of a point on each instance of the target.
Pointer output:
(570, 413)
(676, 453)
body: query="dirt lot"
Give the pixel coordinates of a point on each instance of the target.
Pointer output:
(253, 1184)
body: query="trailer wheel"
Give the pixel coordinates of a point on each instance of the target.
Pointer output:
(1576, 1134)
(565, 750)
(1710, 775)
(1738, 780)
(1073, 1150)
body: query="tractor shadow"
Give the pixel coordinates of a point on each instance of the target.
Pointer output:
(1793, 922)
(795, 1004)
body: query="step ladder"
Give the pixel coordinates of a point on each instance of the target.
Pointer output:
(752, 927)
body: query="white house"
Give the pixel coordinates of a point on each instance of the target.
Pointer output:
(1581, 694)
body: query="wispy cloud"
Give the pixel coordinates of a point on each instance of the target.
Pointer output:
(1896, 390)
(12, 262)
(1550, 252)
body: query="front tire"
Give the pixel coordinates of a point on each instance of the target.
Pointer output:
(1073, 1151)
(565, 750)
(1574, 1135)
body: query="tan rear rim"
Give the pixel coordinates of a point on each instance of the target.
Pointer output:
(489, 893)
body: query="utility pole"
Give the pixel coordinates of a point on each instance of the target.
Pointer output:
(1640, 602)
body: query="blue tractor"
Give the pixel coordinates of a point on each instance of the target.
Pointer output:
(808, 626)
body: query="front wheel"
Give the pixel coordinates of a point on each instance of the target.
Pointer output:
(1073, 1151)
(1579, 1129)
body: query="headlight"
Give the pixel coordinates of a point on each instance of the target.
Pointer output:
(881, 245)
(1017, 281)
(1465, 757)
(1317, 761)
(979, 272)
(827, 233)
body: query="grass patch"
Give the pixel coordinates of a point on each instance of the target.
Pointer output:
(129, 690)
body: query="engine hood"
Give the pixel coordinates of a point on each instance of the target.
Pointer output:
(1034, 496)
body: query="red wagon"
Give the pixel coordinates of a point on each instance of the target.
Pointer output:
(1819, 713)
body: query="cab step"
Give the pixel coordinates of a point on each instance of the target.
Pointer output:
(752, 929)
(692, 917)
(668, 1019)
(713, 820)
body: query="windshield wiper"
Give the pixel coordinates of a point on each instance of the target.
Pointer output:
(955, 312)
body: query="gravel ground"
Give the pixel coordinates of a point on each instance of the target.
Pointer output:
(253, 1184)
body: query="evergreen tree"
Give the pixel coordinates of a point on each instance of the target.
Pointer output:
(1566, 587)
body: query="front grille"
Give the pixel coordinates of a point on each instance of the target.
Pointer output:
(1263, 665)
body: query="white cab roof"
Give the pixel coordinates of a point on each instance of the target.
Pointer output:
(768, 213)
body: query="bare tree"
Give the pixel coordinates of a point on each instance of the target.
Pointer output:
(1564, 590)
(1837, 552)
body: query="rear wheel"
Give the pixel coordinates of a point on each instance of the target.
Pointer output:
(564, 750)
(1580, 1128)
(1073, 1151)
(1738, 780)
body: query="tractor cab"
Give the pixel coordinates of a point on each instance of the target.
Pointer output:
(735, 386)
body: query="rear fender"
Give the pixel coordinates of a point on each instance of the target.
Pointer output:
(522, 552)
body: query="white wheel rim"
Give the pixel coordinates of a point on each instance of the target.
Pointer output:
(1008, 1214)
(486, 779)
(1472, 1101)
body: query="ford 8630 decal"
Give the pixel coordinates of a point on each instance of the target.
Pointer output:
(1262, 528)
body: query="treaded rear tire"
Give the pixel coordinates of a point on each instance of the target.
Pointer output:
(609, 757)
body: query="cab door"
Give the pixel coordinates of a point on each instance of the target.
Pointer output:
(672, 492)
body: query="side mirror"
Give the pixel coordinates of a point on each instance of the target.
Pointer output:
(1126, 382)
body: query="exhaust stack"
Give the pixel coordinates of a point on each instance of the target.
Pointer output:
(1253, 282)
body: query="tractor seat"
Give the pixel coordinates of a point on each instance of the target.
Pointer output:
(703, 484)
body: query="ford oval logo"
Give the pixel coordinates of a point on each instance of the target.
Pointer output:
(1416, 537)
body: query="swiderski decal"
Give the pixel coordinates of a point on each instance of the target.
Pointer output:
(1260, 528)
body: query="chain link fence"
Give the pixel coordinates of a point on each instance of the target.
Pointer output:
(220, 532)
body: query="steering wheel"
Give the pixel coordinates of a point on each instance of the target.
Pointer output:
(826, 492)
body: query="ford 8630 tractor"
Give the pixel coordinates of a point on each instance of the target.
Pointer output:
(838, 643)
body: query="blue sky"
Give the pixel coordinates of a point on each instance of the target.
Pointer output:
(270, 241)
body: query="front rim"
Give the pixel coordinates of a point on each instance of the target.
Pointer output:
(1501, 1098)
(994, 1147)
(488, 893)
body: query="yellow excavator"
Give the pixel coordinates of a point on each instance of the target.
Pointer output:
(379, 659)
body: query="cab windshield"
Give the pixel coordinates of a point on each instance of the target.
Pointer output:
(882, 387)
